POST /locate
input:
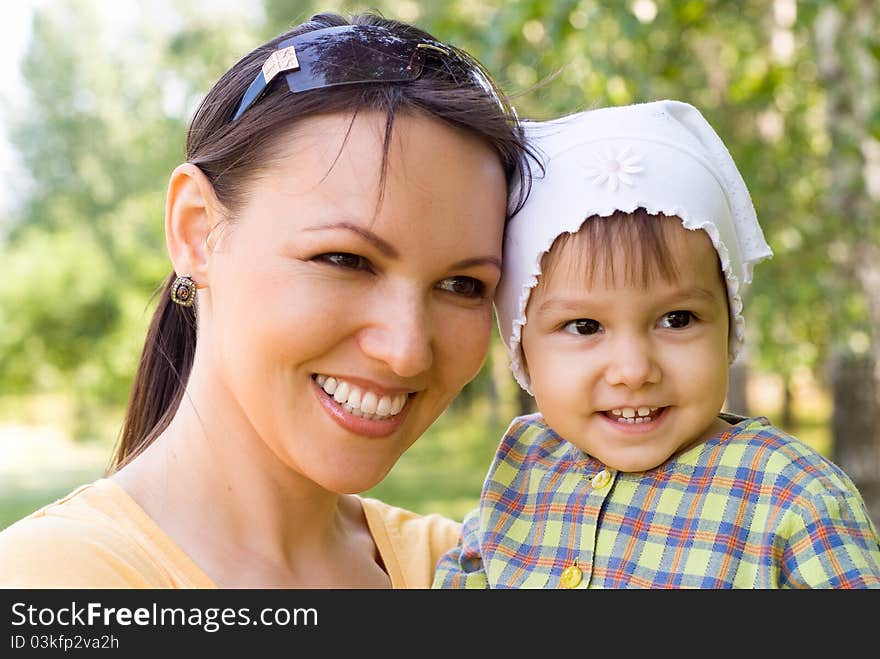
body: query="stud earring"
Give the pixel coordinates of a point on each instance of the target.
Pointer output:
(183, 291)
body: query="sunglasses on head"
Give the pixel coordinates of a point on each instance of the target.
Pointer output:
(351, 54)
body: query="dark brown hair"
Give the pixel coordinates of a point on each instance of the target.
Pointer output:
(643, 239)
(231, 154)
(640, 236)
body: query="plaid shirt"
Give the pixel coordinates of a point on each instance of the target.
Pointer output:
(751, 508)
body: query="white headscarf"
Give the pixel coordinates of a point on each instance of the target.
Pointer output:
(661, 156)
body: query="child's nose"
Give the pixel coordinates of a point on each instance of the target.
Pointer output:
(632, 363)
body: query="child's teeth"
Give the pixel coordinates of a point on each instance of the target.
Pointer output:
(643, 414)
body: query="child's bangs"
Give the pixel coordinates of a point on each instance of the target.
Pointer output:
(641, 239)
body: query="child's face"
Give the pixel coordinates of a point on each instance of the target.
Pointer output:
(631, 374)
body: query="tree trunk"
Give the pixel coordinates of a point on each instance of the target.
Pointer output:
(524, 402)
(855, 425)
(786, 417)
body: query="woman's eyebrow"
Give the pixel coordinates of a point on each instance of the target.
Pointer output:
(391, 252)
(477, 261)
(383, 246)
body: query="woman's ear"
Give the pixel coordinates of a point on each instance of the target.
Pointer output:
(191, 212)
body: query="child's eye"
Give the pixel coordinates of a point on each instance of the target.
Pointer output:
(676, 319)
(463, 286)
(344, 260)
(582, 326)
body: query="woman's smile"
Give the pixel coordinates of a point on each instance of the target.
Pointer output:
(359, 409)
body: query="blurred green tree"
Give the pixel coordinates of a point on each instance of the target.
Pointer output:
(104, 128)
(791, 87)
(847, 44)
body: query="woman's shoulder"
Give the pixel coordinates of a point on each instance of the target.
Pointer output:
(410, 543)
(75, 513)
(82, 540)
(408, 524)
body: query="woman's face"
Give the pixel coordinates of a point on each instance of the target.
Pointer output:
(339, 329)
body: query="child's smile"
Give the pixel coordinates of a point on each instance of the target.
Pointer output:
(634, 415)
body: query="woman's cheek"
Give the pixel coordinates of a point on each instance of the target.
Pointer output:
(467, 342)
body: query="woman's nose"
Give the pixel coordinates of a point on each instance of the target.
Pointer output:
(632, 362)
(399, 334)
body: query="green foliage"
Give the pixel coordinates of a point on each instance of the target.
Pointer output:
(86, 251)
(107, 121)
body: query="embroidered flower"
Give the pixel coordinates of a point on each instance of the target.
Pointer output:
(610, 169)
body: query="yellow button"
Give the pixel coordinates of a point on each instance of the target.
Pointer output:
(571, 576)
(601, 479)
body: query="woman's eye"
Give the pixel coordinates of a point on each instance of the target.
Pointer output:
(345, 260)
(676, 319)
(583, 327)
(463, 286)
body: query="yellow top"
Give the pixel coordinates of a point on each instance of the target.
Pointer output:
(98, 537)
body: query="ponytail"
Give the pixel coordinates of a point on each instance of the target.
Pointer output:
(161, 376)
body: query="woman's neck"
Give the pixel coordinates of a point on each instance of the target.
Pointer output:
(243, 516)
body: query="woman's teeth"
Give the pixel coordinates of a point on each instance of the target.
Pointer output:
(634, 414)
(355, 400)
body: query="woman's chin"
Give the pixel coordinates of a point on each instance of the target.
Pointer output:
(354, 483)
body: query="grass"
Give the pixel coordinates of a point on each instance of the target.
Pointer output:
(39, 464)
(18, 502)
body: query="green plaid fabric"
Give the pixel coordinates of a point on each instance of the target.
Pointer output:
(751, 508)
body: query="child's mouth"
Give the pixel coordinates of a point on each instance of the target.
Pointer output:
(634, 415)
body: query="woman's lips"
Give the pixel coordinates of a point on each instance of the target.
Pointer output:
(360, 425)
